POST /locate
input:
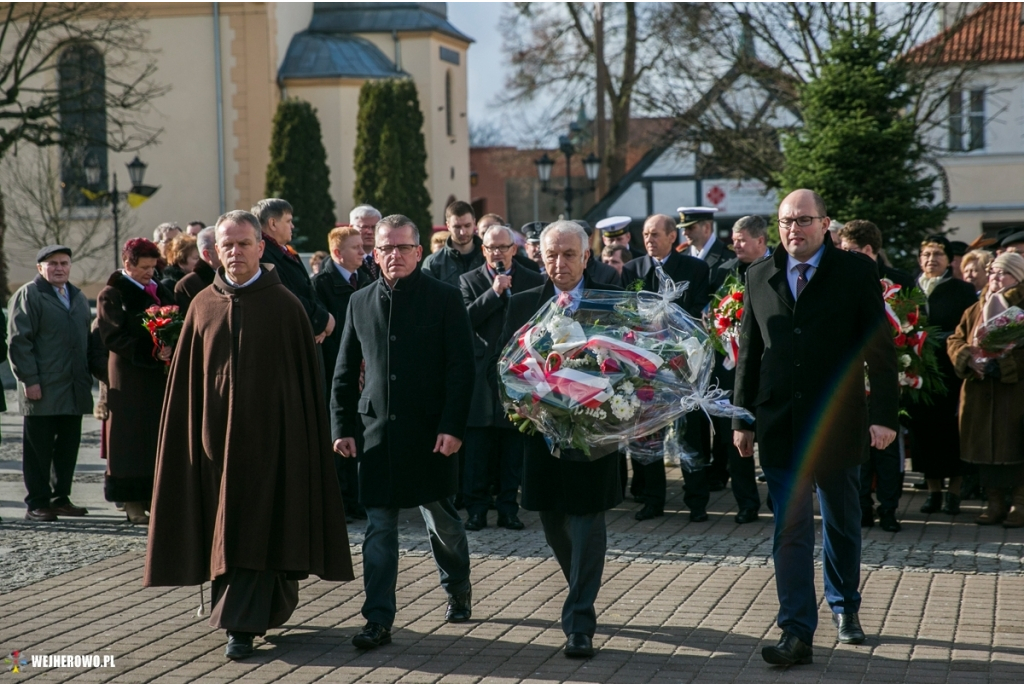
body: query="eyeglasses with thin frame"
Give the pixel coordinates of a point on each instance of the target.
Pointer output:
(404, 250)
(801, 221)
(497, 249)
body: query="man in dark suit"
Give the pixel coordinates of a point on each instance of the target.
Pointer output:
(698, 224)
(813, 316)
(365, 218)
(340, 276)
(570, 492)
(660, 234)
(412, 421)
(492, 442)
(598, 271)
(275, 217)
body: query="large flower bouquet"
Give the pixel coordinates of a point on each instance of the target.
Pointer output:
(919, 373)
(724, 323)
(1000, 334)
(164, 326)
(615, 366)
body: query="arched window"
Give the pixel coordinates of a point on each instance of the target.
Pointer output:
(83, 120)
(448, 103)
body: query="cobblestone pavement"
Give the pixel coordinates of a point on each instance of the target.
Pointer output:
(681, 602)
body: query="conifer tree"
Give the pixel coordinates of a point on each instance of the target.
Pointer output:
(298, 172)
(857, 148)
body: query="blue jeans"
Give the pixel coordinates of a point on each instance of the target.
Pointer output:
(380, 556)
(793, 551)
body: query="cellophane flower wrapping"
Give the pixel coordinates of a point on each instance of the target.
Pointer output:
(617, 367)
(1001, 334)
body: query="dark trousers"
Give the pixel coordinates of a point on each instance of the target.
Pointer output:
(793, 551)
(579, 542)
(885, 464)
(380, 556)
(696, 492)
(487, 448)
(248, 601)
(50, 453)
(742, 472)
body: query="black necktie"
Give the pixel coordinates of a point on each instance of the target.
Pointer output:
(353, 281)
(801, 279)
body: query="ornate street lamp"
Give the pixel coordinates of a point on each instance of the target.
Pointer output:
(591, 165)
(136, 172)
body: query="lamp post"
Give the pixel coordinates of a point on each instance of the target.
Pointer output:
(136, 172)
(591, 165)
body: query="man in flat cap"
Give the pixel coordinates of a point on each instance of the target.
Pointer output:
(1012, 243)
(49, 349)
(615, 231)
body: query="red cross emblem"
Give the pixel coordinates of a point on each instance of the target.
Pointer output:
(715, 195)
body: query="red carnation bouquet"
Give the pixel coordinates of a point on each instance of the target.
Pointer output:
(918, 366)
(724, 324)
(164, 326)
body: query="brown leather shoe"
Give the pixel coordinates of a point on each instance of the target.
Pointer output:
(70, 509)
(40, 515)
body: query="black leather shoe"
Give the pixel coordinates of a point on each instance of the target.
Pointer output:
(476, 522)
(850, 632)
(747, 516)
(952, 505)
(239, 646)
(789, 652)
(716, 486)
(639, 499)
(648, 512)
(356, 512)
(867, 518)
(40, 515)
(932, 504)
(372, 635)
(460, 607)
(511, 522)
(698, 516)
(579, 646)
(888, 523)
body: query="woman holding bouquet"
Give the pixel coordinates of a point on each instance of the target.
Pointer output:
(992, 397)
(136, 374)
(935, 440)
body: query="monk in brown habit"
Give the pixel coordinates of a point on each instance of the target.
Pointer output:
(246, 493)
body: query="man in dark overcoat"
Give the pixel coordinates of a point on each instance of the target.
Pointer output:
(245, 492)
(413, 332)
(340, 276)
(202, 274)
(275, 217)
(570, 492)
(492, 442)
(698, 224)
(813, 316)
(660, 234)
(597, 271)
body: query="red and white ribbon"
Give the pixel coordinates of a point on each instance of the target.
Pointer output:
(637, 356)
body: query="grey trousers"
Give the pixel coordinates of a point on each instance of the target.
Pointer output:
(579, 542)
(248, 601)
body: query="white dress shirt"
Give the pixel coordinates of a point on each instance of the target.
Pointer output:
(259, 272)
(703, 254)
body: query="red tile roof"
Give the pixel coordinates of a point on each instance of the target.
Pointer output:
(991, 34)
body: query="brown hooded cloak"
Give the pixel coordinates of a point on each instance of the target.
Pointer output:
(245, 476)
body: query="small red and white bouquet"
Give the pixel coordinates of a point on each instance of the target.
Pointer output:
(1000, 334)
(164, 324)
(724, 326)
(918, 366)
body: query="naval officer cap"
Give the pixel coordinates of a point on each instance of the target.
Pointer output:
(614, 226)
(1013, 238)
(688, 216)
(532, 231)
(51, 250)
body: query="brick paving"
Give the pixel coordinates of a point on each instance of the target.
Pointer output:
(681, 602)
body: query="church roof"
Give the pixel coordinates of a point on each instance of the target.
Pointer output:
(993, 33)
(383, 17)
(323, 55)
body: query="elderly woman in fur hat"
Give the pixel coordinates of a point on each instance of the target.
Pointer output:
(992, 396)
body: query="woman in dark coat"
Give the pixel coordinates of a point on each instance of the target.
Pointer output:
(136, 375)
(935, 436)
(992, 399)
(182, 255)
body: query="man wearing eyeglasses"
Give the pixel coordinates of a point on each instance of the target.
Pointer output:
(461, 252)
(492, 443)
(813, 317)
(413, 333)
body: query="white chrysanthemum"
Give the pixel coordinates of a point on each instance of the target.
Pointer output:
(905, 361)
(626, 388)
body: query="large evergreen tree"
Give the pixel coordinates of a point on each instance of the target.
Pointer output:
(391, 152)
(857, 148)
(298, 172)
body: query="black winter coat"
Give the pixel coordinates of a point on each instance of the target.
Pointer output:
(418, 348)
(801, 363)
(718, 259)
(448, 264)
(334, 292)
(679, 268)
(487, 312)
(602, 274)
(550, 483)
(294, 276)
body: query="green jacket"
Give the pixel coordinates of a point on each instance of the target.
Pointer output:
(49, 345)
